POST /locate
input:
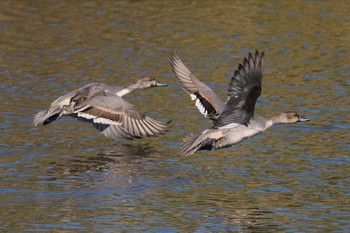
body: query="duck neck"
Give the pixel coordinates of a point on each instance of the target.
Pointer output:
(127, 89)
(274, 121)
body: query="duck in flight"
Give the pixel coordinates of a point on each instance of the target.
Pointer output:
(233, 120)
(103, 106)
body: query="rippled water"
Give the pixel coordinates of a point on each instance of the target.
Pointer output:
(67, 178)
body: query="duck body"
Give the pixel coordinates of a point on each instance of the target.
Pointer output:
(225, 136)
(103, 106)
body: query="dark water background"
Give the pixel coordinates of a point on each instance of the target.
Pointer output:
(66, 177)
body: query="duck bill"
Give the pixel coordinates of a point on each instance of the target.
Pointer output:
(301, 119)
(161, 84)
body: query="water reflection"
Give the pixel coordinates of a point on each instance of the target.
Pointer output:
(116, 160)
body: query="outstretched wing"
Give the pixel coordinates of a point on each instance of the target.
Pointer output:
(116, 118)
(207, 102)
(243, 92)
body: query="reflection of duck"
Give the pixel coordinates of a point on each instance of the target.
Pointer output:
(127, 151)
(233, 120)
(118, 155)
(118, 163)
(103, 106)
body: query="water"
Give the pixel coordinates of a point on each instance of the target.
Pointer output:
(65, 177)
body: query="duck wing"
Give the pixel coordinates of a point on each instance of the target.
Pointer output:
(207, 102)
(243, 92)
(60, 106)
(116, 118)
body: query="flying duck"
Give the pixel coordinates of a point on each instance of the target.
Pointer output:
(103, 106)
(234, 119)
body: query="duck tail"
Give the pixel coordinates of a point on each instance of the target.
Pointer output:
(39, 118)
(193, 143)
(46, 117)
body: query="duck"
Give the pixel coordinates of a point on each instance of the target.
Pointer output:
(103, 106)
(234, 119)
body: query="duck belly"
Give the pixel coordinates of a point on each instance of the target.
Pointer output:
(236, 135)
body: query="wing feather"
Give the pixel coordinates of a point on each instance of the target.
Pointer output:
(122, 118)
(243, 92)
(207, 102)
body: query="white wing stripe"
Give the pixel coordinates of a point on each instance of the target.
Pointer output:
(98, 120)
(201, 107)
(101, 120)
(86, 116)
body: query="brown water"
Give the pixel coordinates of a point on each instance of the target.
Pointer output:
(66, 177)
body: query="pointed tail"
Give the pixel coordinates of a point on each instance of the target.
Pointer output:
(39, 118)
(46, 117)
(193, 143)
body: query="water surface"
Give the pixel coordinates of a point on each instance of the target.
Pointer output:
(67, 177)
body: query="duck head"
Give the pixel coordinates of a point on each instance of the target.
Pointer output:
(147, 82)
(291, 117)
